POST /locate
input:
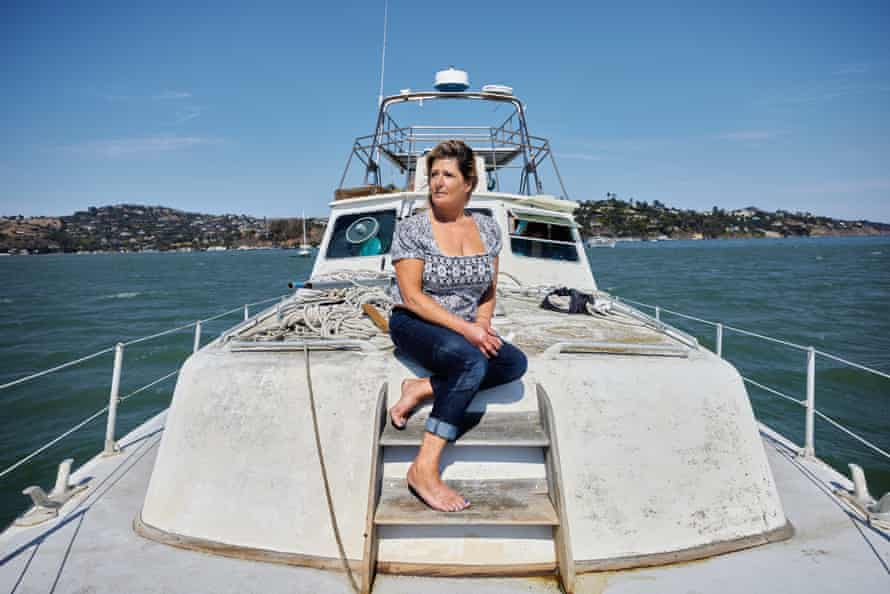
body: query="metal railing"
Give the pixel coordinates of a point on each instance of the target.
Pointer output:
(499, 146)
(809, 401)
(110, 445)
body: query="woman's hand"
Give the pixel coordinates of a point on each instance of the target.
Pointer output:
(481, 335)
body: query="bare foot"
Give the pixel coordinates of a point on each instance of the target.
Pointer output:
(428, 485)
(414, 391)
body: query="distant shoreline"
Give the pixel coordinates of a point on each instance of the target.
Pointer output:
(134, 228)
(622, 240)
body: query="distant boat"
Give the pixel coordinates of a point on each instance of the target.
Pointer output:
(599, 241)
(305, 249)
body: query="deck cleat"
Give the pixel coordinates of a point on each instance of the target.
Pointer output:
(876, 512)
(46, 507)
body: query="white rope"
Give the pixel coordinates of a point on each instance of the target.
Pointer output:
(159, 334)
(639, 303)
(861, 440)
(776, 392)
(334, 313)
(22, 380)
(44, 447)
(767, 338)
(770, 339)
(238, 309)
(27, 378)
(733, 328)
(852, 364)
(693, 318)
(150, 385)
(92, 417)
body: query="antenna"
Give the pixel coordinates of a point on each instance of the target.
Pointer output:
(383, 57)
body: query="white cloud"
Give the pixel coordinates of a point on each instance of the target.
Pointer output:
(748, 135)
(822, 91)
(122, 147)
(580, 156)
(187, 113)
(172, 95)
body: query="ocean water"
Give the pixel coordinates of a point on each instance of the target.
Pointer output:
(830, 293)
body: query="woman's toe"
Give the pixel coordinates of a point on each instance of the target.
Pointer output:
(397, 420)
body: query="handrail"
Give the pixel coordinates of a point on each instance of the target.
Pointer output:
(45, 446)
(22, 380)
(774, 391)
(38, 374)
(83, 423)
(808, 403)
(763, 337)
(852, 364)
(115, 399)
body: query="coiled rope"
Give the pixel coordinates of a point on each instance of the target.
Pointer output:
(328, 313)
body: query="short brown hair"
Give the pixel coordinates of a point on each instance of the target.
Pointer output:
(460, 152)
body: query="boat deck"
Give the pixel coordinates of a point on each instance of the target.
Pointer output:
(92, 547)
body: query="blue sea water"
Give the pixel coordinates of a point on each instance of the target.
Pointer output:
(829, 293)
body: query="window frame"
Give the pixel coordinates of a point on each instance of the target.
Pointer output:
(394, 210)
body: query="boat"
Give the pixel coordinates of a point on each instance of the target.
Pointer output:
(304, 250)
(600, 241)
(628, 450)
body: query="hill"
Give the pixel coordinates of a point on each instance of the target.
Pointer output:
(134, 228)
(613, 217)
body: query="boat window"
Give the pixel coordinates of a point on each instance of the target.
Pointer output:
(362, 234)
(539, 235)
(536, 248)
(485, 211)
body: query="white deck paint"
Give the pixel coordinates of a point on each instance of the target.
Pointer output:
(237, 464)
(93, 548)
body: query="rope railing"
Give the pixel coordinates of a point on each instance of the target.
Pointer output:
(852, 364)
(774, 391)
(22, 380)
(149, 385)
(48, 445)
(115, 398)
(82, 424)
(793, 345)
(861, 440)
(809, 402)
(141, 339)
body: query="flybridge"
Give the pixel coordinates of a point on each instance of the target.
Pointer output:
(511, 158)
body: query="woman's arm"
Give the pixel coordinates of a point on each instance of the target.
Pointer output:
(486, 302)
(409, 274)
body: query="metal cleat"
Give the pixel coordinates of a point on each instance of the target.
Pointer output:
(860, 486)
(876, 512)
(881, 510)
(46, 507)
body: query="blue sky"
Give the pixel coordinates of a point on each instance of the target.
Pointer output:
(252, 107)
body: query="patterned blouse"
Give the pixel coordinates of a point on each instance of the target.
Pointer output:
(455, 282)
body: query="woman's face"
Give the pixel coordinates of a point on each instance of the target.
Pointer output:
(448, 187)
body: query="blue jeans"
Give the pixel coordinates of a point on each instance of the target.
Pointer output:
(459, 368)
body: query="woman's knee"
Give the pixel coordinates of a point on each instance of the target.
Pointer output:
(517, 362)
(456, 349)
(475, 366)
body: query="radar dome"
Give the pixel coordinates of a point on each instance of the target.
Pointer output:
(451, 80)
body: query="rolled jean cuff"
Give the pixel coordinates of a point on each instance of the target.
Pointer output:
(442, 428)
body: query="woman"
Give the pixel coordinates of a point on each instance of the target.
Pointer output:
(446, 262)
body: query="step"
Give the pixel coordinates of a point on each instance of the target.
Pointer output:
(496, 502)
(493, 429)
